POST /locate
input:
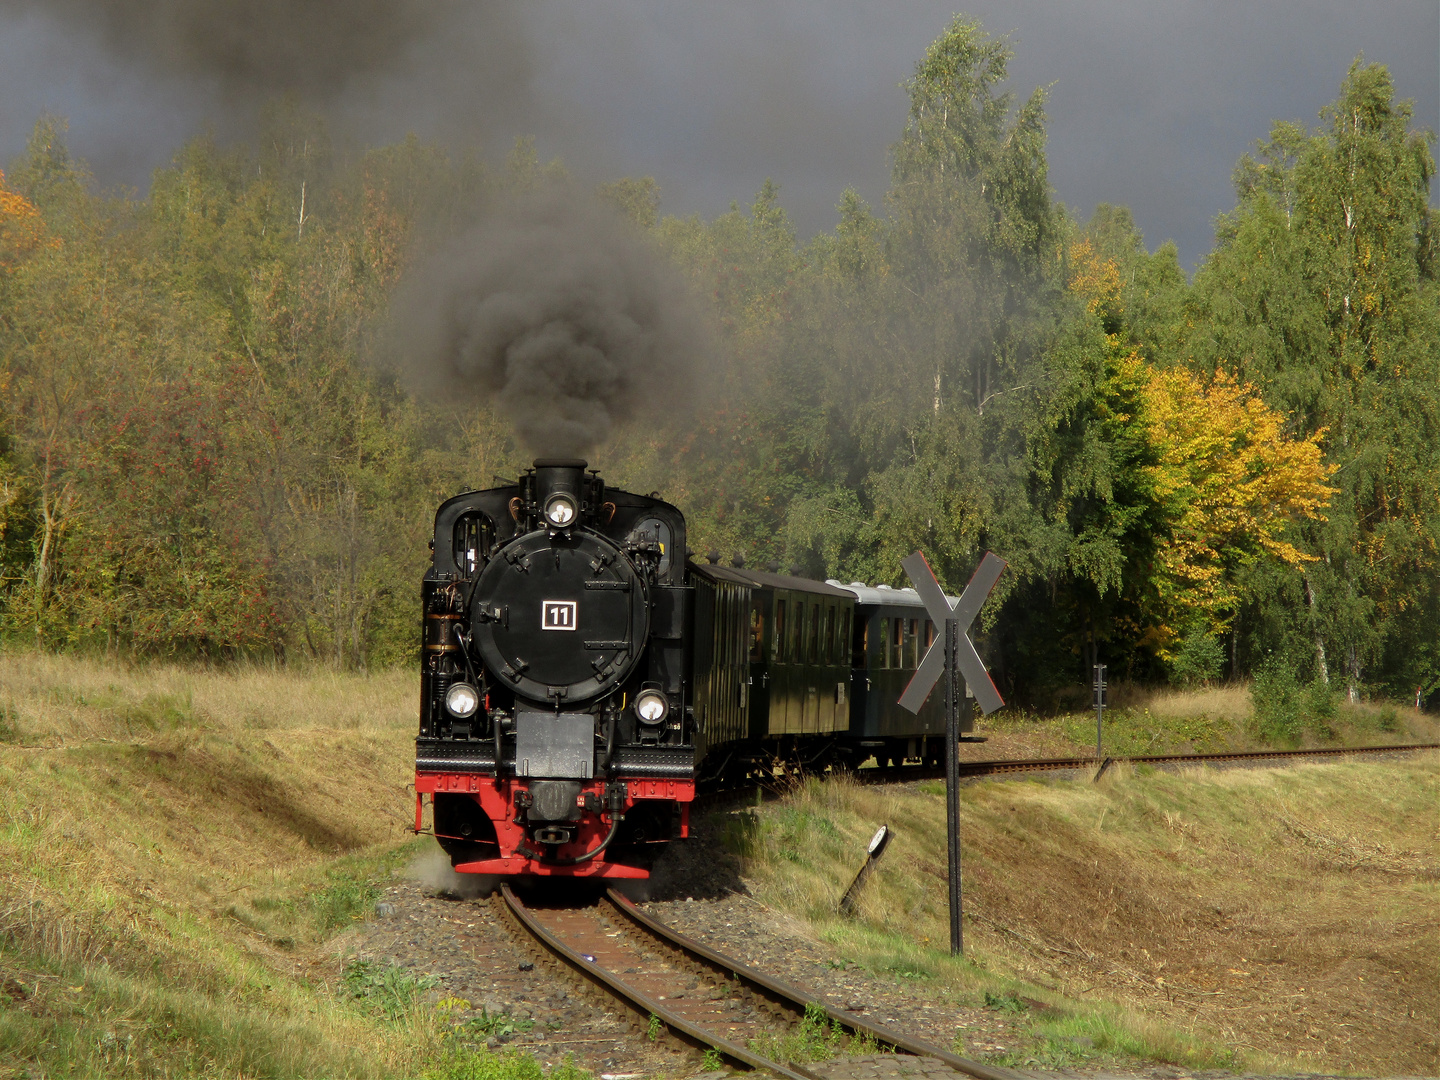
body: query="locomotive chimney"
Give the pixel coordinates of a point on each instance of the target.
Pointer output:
(559, 489)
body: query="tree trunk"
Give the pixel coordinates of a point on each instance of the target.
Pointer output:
(1320, 663)
(54, 507)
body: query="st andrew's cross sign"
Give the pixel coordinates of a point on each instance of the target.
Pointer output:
(961, 615)
(953, 656)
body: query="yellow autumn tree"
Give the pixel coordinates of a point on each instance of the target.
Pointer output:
(1231, 482)
(22, 229)
(1227, 480)
(1094, 279)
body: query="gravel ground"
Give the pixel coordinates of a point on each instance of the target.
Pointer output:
(469, 947)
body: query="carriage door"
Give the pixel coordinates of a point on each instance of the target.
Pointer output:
(810, 703)
(759, 664)
(779, 672)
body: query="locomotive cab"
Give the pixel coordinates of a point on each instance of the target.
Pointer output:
(556, 731)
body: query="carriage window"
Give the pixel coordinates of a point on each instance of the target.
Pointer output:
(757, 629)
(929, 633)
(897, 630)
(844, 643)
(828, 649)
(813, 641)
(884, 643)
(777, 640)
(913, 651)
(796, 649)
(861, 646)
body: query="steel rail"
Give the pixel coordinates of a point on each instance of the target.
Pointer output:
(794, 998)
(641, 1001)
(903, 773)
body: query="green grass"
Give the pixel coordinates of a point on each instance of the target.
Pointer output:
(815, 1038)
(1273, 712)
(385, 990)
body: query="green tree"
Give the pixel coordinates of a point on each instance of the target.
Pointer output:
(1321, 291)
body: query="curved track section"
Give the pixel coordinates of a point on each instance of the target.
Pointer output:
(652, 969)
(796, 1000)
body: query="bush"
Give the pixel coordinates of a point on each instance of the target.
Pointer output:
(1320, 704)
(1199, 659)
(1275, 693)
(1285, 708)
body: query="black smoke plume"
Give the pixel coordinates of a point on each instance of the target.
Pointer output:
(559, 312)
(315, 48)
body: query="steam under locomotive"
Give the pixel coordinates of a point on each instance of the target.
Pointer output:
(580, 676)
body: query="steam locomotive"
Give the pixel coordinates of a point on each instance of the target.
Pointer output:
(580, 676)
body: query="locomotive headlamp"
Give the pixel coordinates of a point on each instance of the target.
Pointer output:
(651, 707)
(560, 510)
(462, 700)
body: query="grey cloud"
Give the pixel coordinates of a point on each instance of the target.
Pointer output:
(1151, 104)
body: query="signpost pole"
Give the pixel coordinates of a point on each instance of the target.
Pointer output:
(953, 657)
(1099, 709)
(952, 779)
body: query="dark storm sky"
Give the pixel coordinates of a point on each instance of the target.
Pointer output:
(1151, 103)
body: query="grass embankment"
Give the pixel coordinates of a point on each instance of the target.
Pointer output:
(1141, 720)
(176, 848)
(1257, 918)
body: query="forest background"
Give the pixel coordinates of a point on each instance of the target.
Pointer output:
(1191, 480)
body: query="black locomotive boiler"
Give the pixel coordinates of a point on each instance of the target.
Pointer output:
(579, 675)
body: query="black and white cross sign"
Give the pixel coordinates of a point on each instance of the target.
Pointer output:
(963, 613)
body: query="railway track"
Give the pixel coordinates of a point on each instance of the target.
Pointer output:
(702, 996)
(903, 773)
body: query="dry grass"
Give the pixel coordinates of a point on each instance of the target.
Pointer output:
(54, 700)
(174, 847)
(1284, 916)
(1229, 703)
